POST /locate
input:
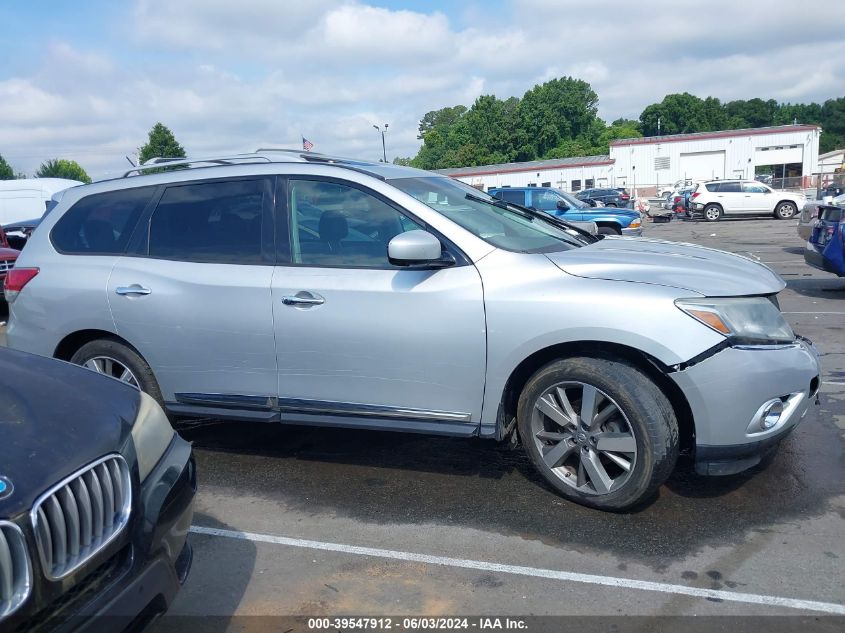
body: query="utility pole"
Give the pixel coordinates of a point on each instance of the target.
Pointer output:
(383, 147)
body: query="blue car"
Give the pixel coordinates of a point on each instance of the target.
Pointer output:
(825, 249)
(609, 220)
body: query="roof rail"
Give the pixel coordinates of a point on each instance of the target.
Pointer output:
(158, 162)
(238, 159)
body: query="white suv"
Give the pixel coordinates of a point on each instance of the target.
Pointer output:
(716, 198)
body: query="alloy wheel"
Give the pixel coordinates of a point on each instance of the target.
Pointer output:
(113, 368)
(786, 210)
(712, 213)
(584, 437)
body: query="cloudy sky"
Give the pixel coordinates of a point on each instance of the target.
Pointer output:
(86, 80)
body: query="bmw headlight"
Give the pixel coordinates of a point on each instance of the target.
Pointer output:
(151, 433)
(743, 319)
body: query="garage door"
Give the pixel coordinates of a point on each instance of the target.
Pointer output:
(703, 165)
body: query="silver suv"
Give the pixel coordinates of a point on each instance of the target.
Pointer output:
(295, 288)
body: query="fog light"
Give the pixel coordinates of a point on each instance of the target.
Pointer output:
(771, 414)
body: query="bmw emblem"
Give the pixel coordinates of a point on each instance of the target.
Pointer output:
(6, 488)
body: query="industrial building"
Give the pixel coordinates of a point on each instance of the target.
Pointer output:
(789, 153)
(568, 174)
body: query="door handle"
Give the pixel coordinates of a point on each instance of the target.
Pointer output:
(134, 289)
(303, 299)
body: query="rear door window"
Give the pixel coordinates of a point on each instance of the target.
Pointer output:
(730, 187)
(214, 222)
(101, 224)
(517, 197)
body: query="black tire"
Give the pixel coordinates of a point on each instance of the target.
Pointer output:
(611, 204)
(785, 210)
(125, 355)
(640, 405)
(715, 213)
(608, 230)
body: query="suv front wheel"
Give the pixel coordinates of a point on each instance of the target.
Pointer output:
(599, 431)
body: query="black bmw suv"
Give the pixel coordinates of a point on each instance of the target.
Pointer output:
(96, 498)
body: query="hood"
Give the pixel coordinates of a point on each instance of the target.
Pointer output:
(55, 418)
(705, 271)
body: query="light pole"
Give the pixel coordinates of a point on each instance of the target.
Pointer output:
(383, 148)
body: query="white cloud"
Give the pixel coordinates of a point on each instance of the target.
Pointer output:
(231, 76)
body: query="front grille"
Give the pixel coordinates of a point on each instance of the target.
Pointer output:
(15, 569)
(80, 516)
(6, 265)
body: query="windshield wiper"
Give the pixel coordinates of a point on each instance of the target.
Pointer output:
(501, 204)
(530, 214)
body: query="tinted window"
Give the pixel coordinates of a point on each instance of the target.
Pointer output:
(751, 187)
(217, 222)
(102, 223)
(338, 225)
(713, 186)
(517, 197)
(730, 187)
(545, 200)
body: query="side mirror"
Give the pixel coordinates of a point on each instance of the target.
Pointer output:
(562, 206)
(418, 249)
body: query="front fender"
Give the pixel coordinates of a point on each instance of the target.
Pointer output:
(531, 306)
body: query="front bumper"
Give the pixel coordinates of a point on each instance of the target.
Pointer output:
(728, 391)
(635, 232)
(138, 575)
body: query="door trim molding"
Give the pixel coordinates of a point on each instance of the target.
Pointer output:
(320, 407)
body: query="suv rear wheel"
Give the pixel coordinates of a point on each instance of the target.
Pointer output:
(598, 430)
(113, 358)
(712, 212)
(785, 210)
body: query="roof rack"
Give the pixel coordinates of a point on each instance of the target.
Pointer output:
(158, 162)
(258, 156)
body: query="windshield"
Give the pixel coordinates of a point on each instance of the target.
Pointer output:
(503, 226)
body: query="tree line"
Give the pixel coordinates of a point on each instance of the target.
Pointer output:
(559, 119)
(160, 142)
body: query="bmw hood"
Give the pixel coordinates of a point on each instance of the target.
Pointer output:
(705, 271)
(55, 418)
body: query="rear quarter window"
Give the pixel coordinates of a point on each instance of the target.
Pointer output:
(101, 224)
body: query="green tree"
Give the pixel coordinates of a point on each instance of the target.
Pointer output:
(161, 143)
(6, 171)
(752, 113)
(62, 168)
(444, 117)
(556, 111)
(398, 160)
(683, 113)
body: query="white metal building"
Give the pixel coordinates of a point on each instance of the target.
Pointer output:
(569, 174)
(831, 161)
(789, 152)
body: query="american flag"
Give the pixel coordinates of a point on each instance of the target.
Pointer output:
(307, 145)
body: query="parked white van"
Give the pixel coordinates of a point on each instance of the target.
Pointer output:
(25, 199)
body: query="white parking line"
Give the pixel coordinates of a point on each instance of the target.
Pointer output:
(552, 574)
(812, 312)
(834, 383)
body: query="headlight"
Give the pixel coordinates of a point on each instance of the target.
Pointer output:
(635, 224)
(151, 433)
(746, 319)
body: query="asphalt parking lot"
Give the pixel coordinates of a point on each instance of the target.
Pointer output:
(326, 522)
